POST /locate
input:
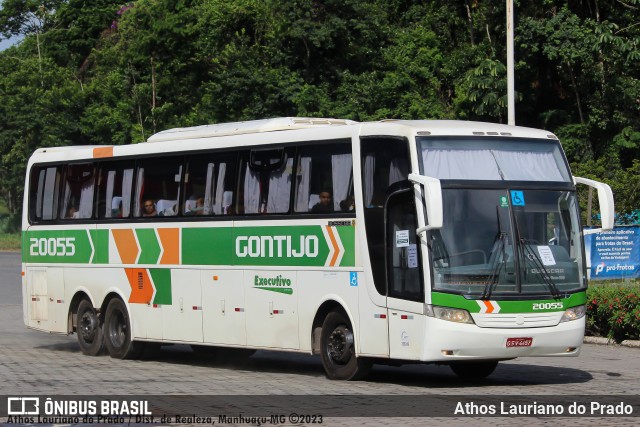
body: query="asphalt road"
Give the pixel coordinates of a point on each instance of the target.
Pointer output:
(36, 363)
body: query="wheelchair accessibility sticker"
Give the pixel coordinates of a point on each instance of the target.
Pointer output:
(517, 198)
(353, 278)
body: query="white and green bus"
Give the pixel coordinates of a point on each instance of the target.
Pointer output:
(443, 242)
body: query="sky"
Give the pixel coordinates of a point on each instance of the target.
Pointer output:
(4, 44)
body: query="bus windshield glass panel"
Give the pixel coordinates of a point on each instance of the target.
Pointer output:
(513, 238)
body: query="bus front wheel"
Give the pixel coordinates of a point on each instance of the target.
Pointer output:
(338, 353)
(89, 329)
(474, 370)
(118, 332)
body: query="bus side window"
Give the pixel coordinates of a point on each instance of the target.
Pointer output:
(158, 180)
(209, 183)
(115, 182)
(266, 181)
(45, 185)
(77, 192)
(324, 179)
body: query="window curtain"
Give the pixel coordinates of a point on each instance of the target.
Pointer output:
(222, 171)
(528, 166)
(460, 164)
(41, 178)
(127, 184)
(398, 170)
(369, 170)
(492, 165)
(86, 200)
(341, 176)
(280, 189)
(65, 201)
(208, 190)
(251, 191)
(304, 181)
(111, 179)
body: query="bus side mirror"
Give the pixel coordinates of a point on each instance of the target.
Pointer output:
(433, 200)
(605, 199)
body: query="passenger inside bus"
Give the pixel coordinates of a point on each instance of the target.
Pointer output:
(348, 204)
(72, 213)
(325, 204)
(195, 206)
(149, 208)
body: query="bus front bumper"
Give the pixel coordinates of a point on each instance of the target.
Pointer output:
(450, 341)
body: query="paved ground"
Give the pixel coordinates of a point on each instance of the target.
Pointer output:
(34, 363)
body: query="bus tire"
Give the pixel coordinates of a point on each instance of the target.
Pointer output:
(117, 332)
(89, 329)
(474, 370)
(337, 349)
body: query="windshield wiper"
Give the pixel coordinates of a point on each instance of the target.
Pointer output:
(496, 265)
(531, 255)
(542, 271)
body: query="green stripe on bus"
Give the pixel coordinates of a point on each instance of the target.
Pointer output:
(149, 246)
(347, 236)
(296, 246)
(100, 239)
(472, 305)
(207, 246)
(162, 281)
(303, 246)
(57, 246)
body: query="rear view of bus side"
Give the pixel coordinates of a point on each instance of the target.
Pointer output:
(420, 241)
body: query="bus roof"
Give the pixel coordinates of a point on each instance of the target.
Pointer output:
(241, 128)
(290, 129)
(421, 127)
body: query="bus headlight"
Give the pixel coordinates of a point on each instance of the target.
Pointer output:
(574, 313)
(457, 315)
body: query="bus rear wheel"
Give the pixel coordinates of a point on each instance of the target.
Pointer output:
(117, 332)
(474, 370)
(89, 329)
(338, 353)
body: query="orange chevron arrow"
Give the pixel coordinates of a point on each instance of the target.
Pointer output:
(141, 285)
(126, 244)
(335, 245)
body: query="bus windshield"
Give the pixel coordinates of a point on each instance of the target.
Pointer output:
(497, 242)
(510, 236)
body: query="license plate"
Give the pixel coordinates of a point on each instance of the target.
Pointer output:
(519, 342)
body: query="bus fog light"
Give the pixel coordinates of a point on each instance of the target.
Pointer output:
(452, 314)
(447, 352)
(574, 313)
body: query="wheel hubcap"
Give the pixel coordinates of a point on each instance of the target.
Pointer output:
(88, 326)
(118, 330)
(340, 344)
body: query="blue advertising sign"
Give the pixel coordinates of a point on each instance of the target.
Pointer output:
(614, 254)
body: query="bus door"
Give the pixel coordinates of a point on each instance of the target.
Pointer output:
(405, 287)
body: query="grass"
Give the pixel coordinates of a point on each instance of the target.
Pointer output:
(9, 241)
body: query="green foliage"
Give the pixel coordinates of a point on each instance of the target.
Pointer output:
(20, 17)
(613, 311)
(624, 182)
(114, 72)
